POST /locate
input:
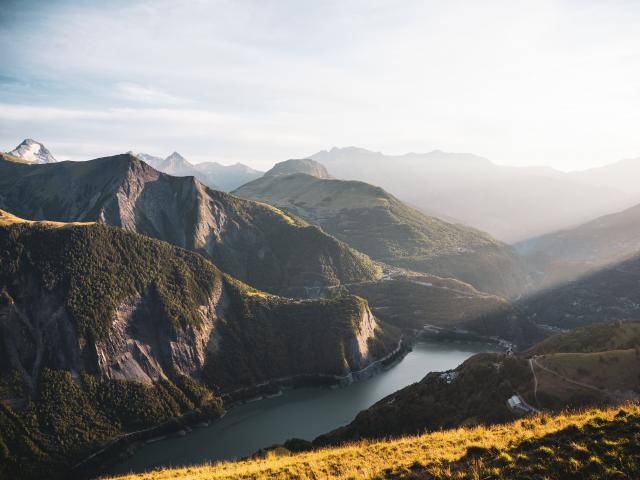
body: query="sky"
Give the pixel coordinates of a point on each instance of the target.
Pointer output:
(534, 82)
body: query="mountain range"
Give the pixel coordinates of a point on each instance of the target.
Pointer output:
(255, 242)
(252, 241)
(375, 222)
(510, 203)
(212, 174)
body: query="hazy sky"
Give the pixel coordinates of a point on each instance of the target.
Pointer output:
(535, 82)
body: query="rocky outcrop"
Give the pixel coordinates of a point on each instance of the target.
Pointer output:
(358, 354)
(140, 348)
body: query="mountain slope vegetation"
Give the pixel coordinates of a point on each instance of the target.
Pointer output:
(104, 332)
(378, 224)
(254, 242)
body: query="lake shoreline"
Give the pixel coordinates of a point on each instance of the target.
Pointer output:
(126, 445)
(303, 412)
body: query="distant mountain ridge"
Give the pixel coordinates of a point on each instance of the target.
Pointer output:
(33, 152)
(378, 224)
(510, 203)
(212, 174)
(254, 242)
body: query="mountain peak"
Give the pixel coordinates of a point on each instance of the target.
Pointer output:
(176, 157)
(33, 152)
(302, 165)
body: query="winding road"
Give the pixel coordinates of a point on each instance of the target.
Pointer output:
(535, 382)
(534, 361)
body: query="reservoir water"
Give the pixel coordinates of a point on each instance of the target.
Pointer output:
(302, 413)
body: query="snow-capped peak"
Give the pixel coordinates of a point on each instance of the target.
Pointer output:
(33, 152)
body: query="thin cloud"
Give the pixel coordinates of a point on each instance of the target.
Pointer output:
(142, 94)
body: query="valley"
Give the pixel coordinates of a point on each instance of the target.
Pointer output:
(301, 413)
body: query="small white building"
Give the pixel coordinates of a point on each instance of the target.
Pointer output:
(517, 405)
(514, 402)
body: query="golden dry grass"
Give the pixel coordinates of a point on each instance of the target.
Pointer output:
(7, 218)
(611, 370)
(433, 452)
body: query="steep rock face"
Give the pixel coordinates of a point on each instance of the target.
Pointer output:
(254, 242)
(375, 222)
(358, 354)
(139, 348)
(302, 338)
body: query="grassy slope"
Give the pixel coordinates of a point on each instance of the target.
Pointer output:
(378, 224)
(594, 338)
(592, 444)
(12, 158)
(611, 370)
